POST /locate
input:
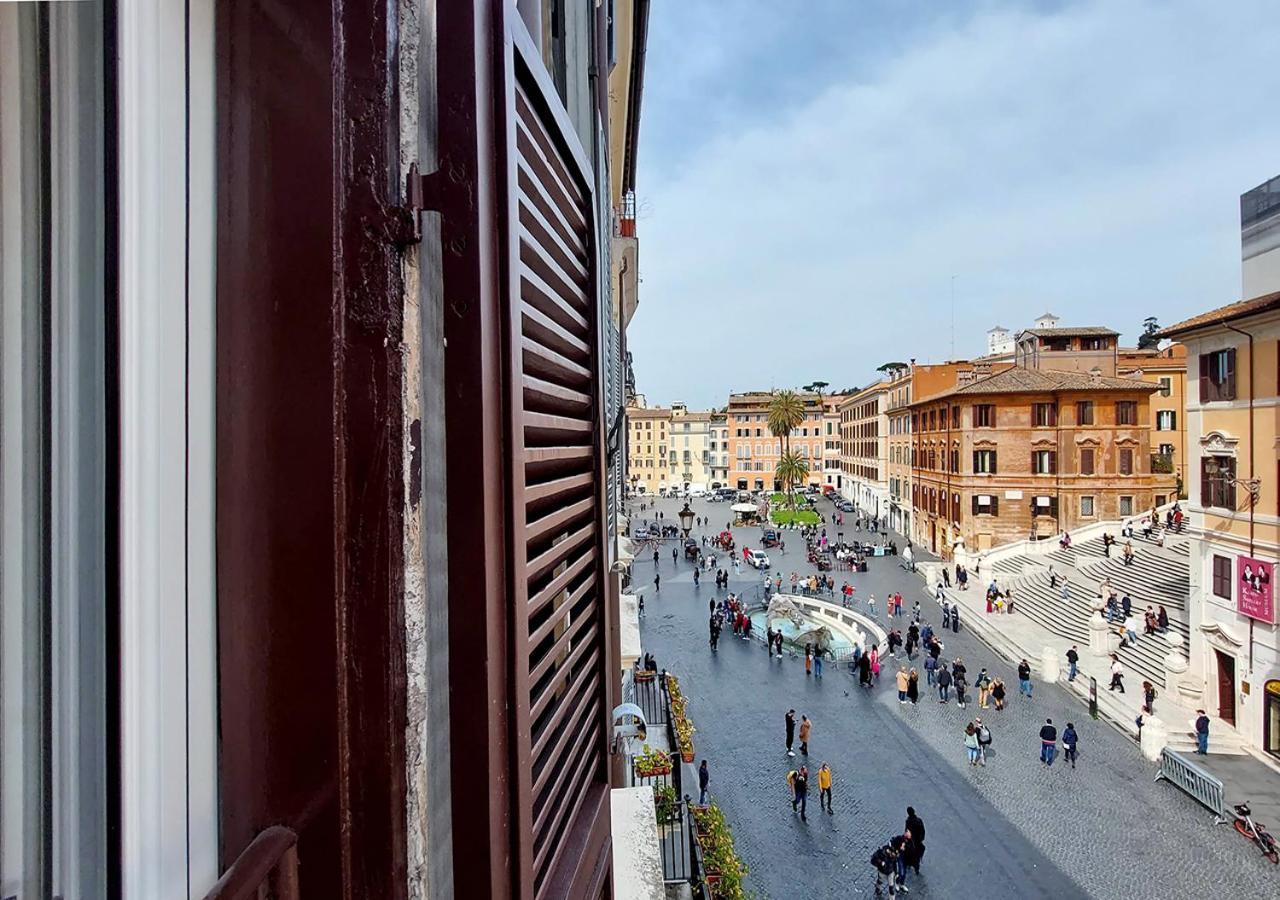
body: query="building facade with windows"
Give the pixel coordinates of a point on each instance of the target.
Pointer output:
(754, 451)
(1233, 469)
(718, 447)
(1166, 368)
(898, 463)
(864, 448)
(649, 468)
(690, 452)
(1027, 454)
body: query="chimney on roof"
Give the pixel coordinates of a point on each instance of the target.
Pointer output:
(1095, 375)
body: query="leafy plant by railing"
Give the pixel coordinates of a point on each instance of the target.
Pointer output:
(652, 762)
(723, 869)
(682, 725)
(665, 801)
(1162, 463)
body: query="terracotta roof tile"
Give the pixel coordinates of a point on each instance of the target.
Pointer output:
(1222, 314)
(1021, 380)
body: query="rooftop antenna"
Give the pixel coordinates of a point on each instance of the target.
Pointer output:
(953, 317)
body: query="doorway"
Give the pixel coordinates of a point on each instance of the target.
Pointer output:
(1226, 687)
(1271, 718)
(933, 536)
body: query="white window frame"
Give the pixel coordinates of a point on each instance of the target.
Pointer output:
(168, 624)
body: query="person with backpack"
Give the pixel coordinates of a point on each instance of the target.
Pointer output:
(885, 861)
(1073, 663)
(930, 665)
(984, 741)
(791, 731)
(800, 791)
(1069, 739)
(983, 684)
(960, 686)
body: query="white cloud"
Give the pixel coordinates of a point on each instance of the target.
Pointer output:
(1087, 160)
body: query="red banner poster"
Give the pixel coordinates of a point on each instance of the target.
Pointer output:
(1255, 593)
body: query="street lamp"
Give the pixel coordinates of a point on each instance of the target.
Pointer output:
(1226, 475)
(686, 519)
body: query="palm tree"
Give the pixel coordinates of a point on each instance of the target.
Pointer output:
(791, 470)
(786, 412)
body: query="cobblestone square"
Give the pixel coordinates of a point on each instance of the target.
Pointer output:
(1012, 829)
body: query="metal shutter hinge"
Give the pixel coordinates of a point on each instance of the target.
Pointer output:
(421, 194)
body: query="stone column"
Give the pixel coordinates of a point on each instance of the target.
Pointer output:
(1099, 637)
(1155, 736)
(1050, 665)
(1175, 663)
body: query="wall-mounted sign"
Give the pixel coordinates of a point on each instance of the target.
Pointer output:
(1255, 593)
(1013, 495)
(1043, 501)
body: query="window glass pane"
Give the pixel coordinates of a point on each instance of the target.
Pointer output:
(53, 673)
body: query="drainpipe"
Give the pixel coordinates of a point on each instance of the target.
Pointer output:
(1252, 474)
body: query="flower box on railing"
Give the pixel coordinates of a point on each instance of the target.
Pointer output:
(645, 676)
(652, 763)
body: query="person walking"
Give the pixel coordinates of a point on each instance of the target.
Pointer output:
(657, 582)
(1202, 732)
(944, 684)
(960, 686)
(1024, 679)
(675, 557)
(1130, 630)
(655, 557)
(1048, 742)
(971, 743)
(902, 685)
(1117, 674)
(1148, 698)
(871, 605)
(983, 683)
(915, 827)
(824, 788)
(817, 664)
(640, 606)
(808, 659)
(704, 778)
(805, 728)
(955, 618)
(930, 668)
(791, 731)
(913, 686)
(984, 741)
(997, 693)
(1069, 739)
(800, 796)
(1073, 663)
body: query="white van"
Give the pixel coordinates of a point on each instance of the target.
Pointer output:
(697, 489)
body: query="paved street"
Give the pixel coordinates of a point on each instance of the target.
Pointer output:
(1012, 829)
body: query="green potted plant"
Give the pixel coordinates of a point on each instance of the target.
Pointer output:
(664, 803)
(652, 762)
(684, 738)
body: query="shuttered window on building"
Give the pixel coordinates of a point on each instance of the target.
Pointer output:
(561, 641)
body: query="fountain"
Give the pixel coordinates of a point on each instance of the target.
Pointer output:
(827, 626)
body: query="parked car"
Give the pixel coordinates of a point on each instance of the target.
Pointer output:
(770, 538)
(755, 558)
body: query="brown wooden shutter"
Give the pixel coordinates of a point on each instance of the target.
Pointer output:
(561, 651)
(1229, 376)
(1204, 378)
(533, 656)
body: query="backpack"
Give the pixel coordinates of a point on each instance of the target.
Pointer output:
(984, 735)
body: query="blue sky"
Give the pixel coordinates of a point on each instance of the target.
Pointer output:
(812, 173)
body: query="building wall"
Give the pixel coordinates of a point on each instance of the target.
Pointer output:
(648, 448)
(1219, 634)
(753, 449)
(1167, 369)
(938, 525)
(898, 464)
(864, 448)
(1260, 239)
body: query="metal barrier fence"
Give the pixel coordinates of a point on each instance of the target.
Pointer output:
(650, 693)
(677, 843)
(1200, 784)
